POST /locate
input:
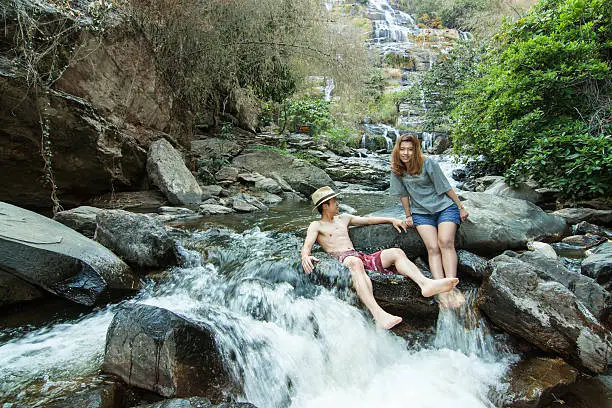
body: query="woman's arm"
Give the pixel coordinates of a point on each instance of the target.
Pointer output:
(397, 224)
(463, 214)
(406, 204)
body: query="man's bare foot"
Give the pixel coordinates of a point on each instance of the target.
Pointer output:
(435, 286)
(387, 321)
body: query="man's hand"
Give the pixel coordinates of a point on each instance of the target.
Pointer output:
(307, 263)
(463, 214)
(399, 225)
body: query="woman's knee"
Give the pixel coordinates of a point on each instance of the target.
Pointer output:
(433, 248)
(446, 242)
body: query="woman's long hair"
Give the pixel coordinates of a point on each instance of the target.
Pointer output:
(415, 165)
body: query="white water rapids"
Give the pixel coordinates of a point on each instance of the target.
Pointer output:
(293, 343)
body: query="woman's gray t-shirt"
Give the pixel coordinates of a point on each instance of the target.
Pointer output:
(427, 191)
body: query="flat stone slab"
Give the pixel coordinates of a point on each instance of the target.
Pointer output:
(58, 259)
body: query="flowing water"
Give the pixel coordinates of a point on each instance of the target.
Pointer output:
(293, 343)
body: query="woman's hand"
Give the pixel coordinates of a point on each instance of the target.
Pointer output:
(463, 214)
(409, 222)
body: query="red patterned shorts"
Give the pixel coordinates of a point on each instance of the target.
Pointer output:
(371, 262)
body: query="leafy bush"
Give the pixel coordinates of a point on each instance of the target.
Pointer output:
(312, 111)
(543, 84)
(340, 138)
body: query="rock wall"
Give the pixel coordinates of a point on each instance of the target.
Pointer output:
(99, 117)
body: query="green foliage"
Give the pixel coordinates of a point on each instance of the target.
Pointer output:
(314, 111)
(570, 159)
(340, 138)
(206, 168)
(227, 131)
(311, 158)
(543, 82)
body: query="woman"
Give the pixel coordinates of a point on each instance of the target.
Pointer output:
(431, 206)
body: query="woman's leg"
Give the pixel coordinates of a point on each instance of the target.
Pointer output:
(446, 243)
(429, 235)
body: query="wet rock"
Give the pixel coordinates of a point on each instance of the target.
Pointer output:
(131, 200)
(583, 228)
(15, 290)
(214, 209)
(537, 381)
(259, 182)
(158, 350)
(193, 402)
(245, 203)
(281, 182)
(302, 176)
(210, 191)
(483, 183)
(599, 265)
(293, 196)
(139, 240)
(597, 300)
(81, 219)
(592, 216)
(471, 265)
(58, 259)
(271, 199)
(544, 313)
(584, 241)
(109, 394)
(168, 172)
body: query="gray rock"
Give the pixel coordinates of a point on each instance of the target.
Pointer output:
(594, 297)
(576, 215)
(494, 225)
(81, 219)
(281, 182)
(110, 393)
(293, 196)
(139, 240)
(583, 228)
(168, 172)
(543, 313)
(483, 183)
(524, 191)
(131, 200)
(271, 199)
(471, 265)
(599, 264)
(15, 290)
(160, 351)
(175, 210)
(538, 381)
(210, 191)
(206, 149)
(214, 209)
(300, 175)
(585, 241)
(227, 174)
(245, 203)
(58, 259)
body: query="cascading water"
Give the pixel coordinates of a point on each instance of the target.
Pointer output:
(292, 343)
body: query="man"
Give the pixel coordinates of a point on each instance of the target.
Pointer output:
(331, 232)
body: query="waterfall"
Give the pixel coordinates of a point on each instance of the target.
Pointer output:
(427, 141)
(329, 87)
(289, 342)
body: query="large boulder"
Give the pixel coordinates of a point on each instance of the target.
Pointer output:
(58, 259)
(590, 215)
(97, 123)
(524, 191)
(160, 351)
(15, 290)
(544, 313)
(214, 148)
(139, 240)
(81, 219)
(494, 225)
(299, 174)
(598, 265)
(168, 172)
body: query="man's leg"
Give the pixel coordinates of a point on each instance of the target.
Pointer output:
(429, 287)
(429, 235)
(363, 287)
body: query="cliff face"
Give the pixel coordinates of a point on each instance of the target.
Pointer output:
(95, 122)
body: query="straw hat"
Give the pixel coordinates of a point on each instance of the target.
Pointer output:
(322, 195)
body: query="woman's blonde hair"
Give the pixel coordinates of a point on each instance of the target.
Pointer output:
(415, 165)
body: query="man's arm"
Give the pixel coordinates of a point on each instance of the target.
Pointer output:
(311, 238)
(397, 224)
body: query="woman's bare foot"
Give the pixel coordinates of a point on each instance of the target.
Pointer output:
(387, 321)
(451, 300)
(435, 286)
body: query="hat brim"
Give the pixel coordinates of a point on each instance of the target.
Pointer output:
(324, 200)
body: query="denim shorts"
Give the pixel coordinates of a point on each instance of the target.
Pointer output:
(450, 213)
